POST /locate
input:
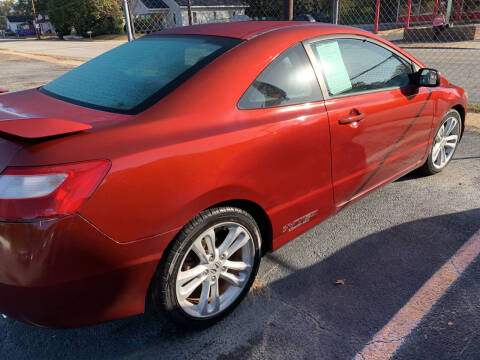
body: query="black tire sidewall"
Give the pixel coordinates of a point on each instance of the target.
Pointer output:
(163, 287)
(429, 168)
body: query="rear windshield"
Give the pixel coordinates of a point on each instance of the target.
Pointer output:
(134, 76)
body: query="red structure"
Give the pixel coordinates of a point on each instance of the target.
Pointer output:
(435, 9)
(461, 13)
(409, 11)
(377, 16)
(458, 8)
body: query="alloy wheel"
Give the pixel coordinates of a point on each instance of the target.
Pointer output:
(215, 270)
(446, 141)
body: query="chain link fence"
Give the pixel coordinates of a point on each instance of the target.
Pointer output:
(443, 34)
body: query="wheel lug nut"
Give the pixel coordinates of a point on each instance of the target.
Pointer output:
(224, 268)
(222, 257)
(214, 278)
(211, 258)
(205, 272)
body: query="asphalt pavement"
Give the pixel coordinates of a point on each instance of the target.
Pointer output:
(20, 73)
(386, 248)
(82, 50)
(459, 62)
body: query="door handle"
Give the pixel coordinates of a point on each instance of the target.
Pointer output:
(351, 119)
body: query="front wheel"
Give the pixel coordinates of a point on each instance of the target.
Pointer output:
(209, 267)
(444, 143)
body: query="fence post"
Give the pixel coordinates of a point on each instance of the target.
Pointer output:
(287, 9)
(458, 9)
(128, 23)
(336, 5)
(398, 11)
(189, 9)
(409, 11)
(435, 9)
(449, 11)
(377, 16)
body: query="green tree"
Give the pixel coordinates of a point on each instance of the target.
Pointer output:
(98, 16)
(273, 9)
(6, 8)
(270, 9)
(312, 6)
(353, 12)
(24, 7)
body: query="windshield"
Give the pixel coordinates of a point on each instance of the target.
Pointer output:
(134, 76)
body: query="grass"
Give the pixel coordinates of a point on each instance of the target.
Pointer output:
(474, 108)
(109, 37)
(113, 37)
(260, 286)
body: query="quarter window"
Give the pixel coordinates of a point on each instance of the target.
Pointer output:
(288, 80)
(351, 65)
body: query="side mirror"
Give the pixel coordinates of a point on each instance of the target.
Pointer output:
(427, 77)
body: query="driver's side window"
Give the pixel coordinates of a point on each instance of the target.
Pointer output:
(288, 80)
(353, 65)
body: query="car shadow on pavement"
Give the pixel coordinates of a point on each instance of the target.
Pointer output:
(413, 175)
(305, 314)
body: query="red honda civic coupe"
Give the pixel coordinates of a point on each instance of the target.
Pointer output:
(157, 174)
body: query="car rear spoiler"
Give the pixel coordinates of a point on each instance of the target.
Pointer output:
(38, 128)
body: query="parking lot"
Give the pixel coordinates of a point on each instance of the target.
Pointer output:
(449, 60)
(407, 256)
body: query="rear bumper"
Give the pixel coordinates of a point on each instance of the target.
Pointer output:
(66, 273)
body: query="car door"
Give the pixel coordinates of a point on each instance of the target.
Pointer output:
(294, 160)
(379, 121)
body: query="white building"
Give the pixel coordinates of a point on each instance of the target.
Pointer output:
(15, 23)
(45, 25)
(25, 23)
(153, 15)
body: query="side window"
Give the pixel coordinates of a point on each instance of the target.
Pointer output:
(351, 66)
(288, 80)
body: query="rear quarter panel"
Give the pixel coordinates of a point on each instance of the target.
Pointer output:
(195, 149)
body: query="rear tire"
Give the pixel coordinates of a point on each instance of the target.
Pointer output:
(444, 143)
(208, 269)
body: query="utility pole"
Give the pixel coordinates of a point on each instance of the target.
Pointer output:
(128, 22)
(35, 20)
(189, 9)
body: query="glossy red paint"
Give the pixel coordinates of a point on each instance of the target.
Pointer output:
(35, 128)
(374, 150)
(190, 151)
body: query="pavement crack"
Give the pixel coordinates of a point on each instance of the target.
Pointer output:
(317, 323)
(455, 267)
(386, 341)
(466, 345)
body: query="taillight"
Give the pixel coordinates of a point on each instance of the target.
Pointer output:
(28, 193)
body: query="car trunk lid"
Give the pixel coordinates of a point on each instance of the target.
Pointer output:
(29, 116)
(32, 104)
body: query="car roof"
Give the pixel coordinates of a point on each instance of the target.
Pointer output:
(246, 29)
